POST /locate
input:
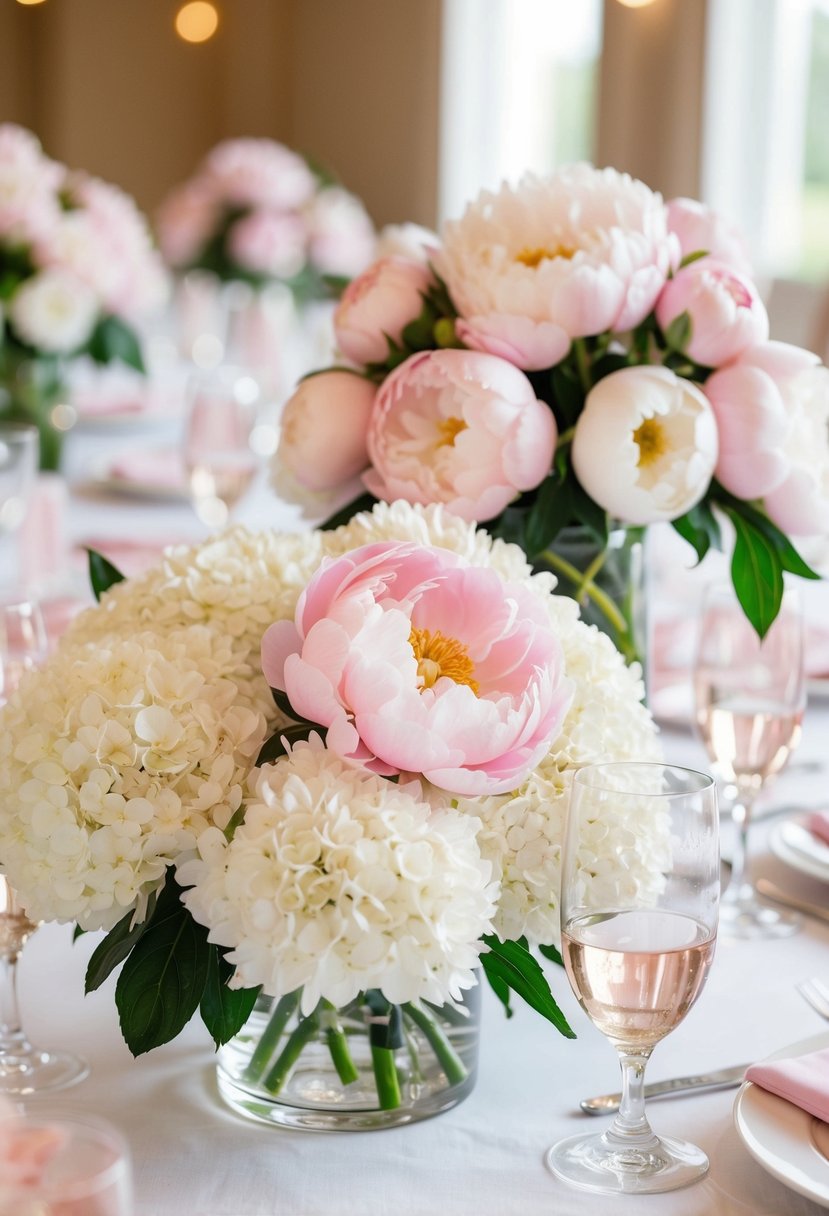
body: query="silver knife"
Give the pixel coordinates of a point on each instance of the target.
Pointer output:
(726, 1078)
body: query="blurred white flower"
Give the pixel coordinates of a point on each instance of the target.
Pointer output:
(54, 311)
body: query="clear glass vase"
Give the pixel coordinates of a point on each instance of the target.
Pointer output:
(369, 1065)
(31, 392)
(609, 584)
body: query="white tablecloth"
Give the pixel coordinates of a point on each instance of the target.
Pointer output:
(192, 1157)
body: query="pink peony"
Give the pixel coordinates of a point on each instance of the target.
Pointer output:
(340, 233)
(532, 267)
(29, 183)
(379, 303)
(800, 504)
(725, 311)
(750, 399)
(322, 442)
(461, 428)
(415, 662)
(185, 222)
(700, 229)
(270, 243)
(258, 173)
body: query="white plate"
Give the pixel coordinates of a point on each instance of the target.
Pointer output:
(793, 843)
(790, 1144)
(148, 491)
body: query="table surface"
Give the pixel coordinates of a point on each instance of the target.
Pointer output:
(193, 1157)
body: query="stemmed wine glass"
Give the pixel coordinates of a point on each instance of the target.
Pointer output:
(638, 937)
(24, 1068)
(220, 462)
(750, 696)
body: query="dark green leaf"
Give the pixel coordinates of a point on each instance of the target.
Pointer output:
(102, 573)
(509, 526)
(77, 932)
(162, 982)
(384, 1033)
(365, 502)
(113, 339)
(757, 573)
(588, 512)
(678, 333)
(275, 747)
(115, 947)
(568, 396)
(550, 952)
(224, 1011)
(608, 364)
(700, 528)
(502, 990)
(512, 964)
(551, 511)
(281, 701)
(418, 334)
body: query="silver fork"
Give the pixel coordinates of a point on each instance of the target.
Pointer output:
(816, 993)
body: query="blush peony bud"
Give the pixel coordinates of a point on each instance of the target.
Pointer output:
(382, 301)
(323, 440)
(700, 229)
(725, 311)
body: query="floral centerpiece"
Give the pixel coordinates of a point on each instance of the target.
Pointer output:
(77, 270)
(575, 354)
(312, 784)
(256, 212)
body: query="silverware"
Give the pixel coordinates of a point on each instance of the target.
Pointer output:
(725, 1078)
(816, 994)
(770, 890)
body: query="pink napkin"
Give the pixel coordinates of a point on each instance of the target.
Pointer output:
(161, 467)
(818, 825)
(25, 1151)
(803, 1081)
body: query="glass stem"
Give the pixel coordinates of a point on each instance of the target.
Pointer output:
(741, 817)
(13, 1041)
(631, 1123)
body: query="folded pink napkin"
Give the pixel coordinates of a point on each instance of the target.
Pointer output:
(161, 467)
(818, 825)
(803, 1081)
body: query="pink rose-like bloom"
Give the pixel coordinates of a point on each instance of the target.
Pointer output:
(322, 442)
(380, 302)
(415, 662)
(271, 243)
(750, 399)
(29, 184)
(534, 266)
(185, 221)
(726, 312)
(258, 173)
(341, 235)
(700, 229)
(460, 428)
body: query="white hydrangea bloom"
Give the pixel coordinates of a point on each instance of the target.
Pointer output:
(339, 881)
(114, 758)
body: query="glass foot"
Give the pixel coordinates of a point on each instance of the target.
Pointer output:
(747, 918)
(593, 1163)
(35, 1071)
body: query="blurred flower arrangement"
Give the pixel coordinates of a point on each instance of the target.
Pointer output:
(257, 212)
(574, 353)
(366, 814)
(77, 270)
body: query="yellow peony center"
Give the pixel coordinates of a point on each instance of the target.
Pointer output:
(439, 656)
(652, 442)
(545, 253)
(449, 430)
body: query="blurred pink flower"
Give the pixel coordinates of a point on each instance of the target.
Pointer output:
(380, 302)
(724, 308)
(185, 221)
(29, 183)
(534, 266)
(699, 228)
(341, 235)
(461, 428)
(258, 173)
(322, 440)
(270, 243)
(415, 662)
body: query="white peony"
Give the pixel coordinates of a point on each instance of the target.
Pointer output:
(54, 311)
(645, 445)
(114, 759)
(339, 881)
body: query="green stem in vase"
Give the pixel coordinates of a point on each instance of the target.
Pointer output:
(386, 1078)
(302, 1034)
(582, 363)
(450, 1061)
(588, 589)
(273, 1032)
(338, 1044)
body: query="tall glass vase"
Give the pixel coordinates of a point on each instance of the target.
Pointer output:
(30, 389)
(368, 1065)
(610, 585)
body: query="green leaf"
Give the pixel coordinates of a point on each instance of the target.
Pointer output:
(77, 932)
(275, 747)
(551, 511)
(116, 946)
(237, 818)
(693, 257)
(700, 528)
(102, 573)
(281, 701)
(502, 990)
(678, 333)
(608, 364)
(112, 339)
(512, 964)
(550, 952)
(756, 572)
(568, 396)
(588, 512)
(365, 502)
(162, 982)
(419, 333)
(223, 1010)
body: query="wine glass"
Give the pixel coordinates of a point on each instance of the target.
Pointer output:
(24, 1068)
(220, 462)
(638, 936)
(750, 696)
(18, 469)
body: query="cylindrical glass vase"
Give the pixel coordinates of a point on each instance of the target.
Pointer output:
(369, 1065)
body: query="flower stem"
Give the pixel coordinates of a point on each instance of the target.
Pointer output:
(582, 363)
(588, 589)
(565, 438)
(338, 1044)
(385, 1077)
(450, 1061)
(266, 1046)
(302, 1034)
